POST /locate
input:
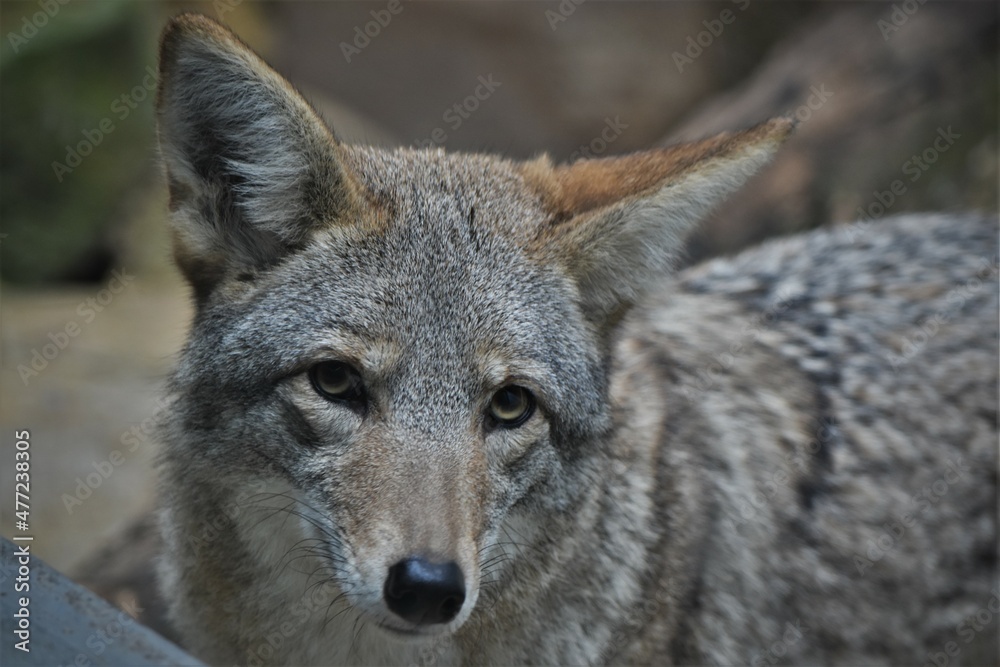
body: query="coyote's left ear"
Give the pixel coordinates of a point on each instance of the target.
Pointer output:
(253, 170)
(616, 225)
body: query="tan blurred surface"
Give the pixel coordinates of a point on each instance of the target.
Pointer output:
(105, 382)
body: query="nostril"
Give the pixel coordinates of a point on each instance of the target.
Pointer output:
(451, 606)
(423, 592)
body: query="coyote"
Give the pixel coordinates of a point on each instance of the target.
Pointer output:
(443, 408)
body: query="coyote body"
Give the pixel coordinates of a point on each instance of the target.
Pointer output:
(477, 377)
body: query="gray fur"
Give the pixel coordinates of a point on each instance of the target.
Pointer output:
(619, 524)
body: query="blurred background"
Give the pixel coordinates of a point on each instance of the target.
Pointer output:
(93, 313)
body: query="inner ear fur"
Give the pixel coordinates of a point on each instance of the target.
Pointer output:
(252, 169)
(618, 224)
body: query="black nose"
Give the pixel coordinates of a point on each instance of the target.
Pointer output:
(423, 592)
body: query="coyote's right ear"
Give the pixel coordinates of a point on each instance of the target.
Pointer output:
(252, 168)
(617, 224)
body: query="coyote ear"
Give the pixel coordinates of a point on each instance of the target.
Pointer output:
(618, 224)
(251, 167)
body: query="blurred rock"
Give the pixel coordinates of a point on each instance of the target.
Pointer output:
(876, 103)
(560, 78)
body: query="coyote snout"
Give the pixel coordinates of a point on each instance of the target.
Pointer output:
(413, 541)
(424, 592)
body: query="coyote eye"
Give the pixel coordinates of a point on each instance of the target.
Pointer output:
(336, 381)
(512, 406)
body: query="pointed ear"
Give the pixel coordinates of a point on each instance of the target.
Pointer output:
(252, 169)
(616, 225)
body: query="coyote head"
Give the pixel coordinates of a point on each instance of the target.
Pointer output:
(413, 343)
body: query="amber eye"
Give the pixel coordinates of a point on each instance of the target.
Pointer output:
(512, 406)
(337, 381)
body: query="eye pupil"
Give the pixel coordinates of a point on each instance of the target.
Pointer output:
(508, 401)
(336, 380)
(512, 406)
